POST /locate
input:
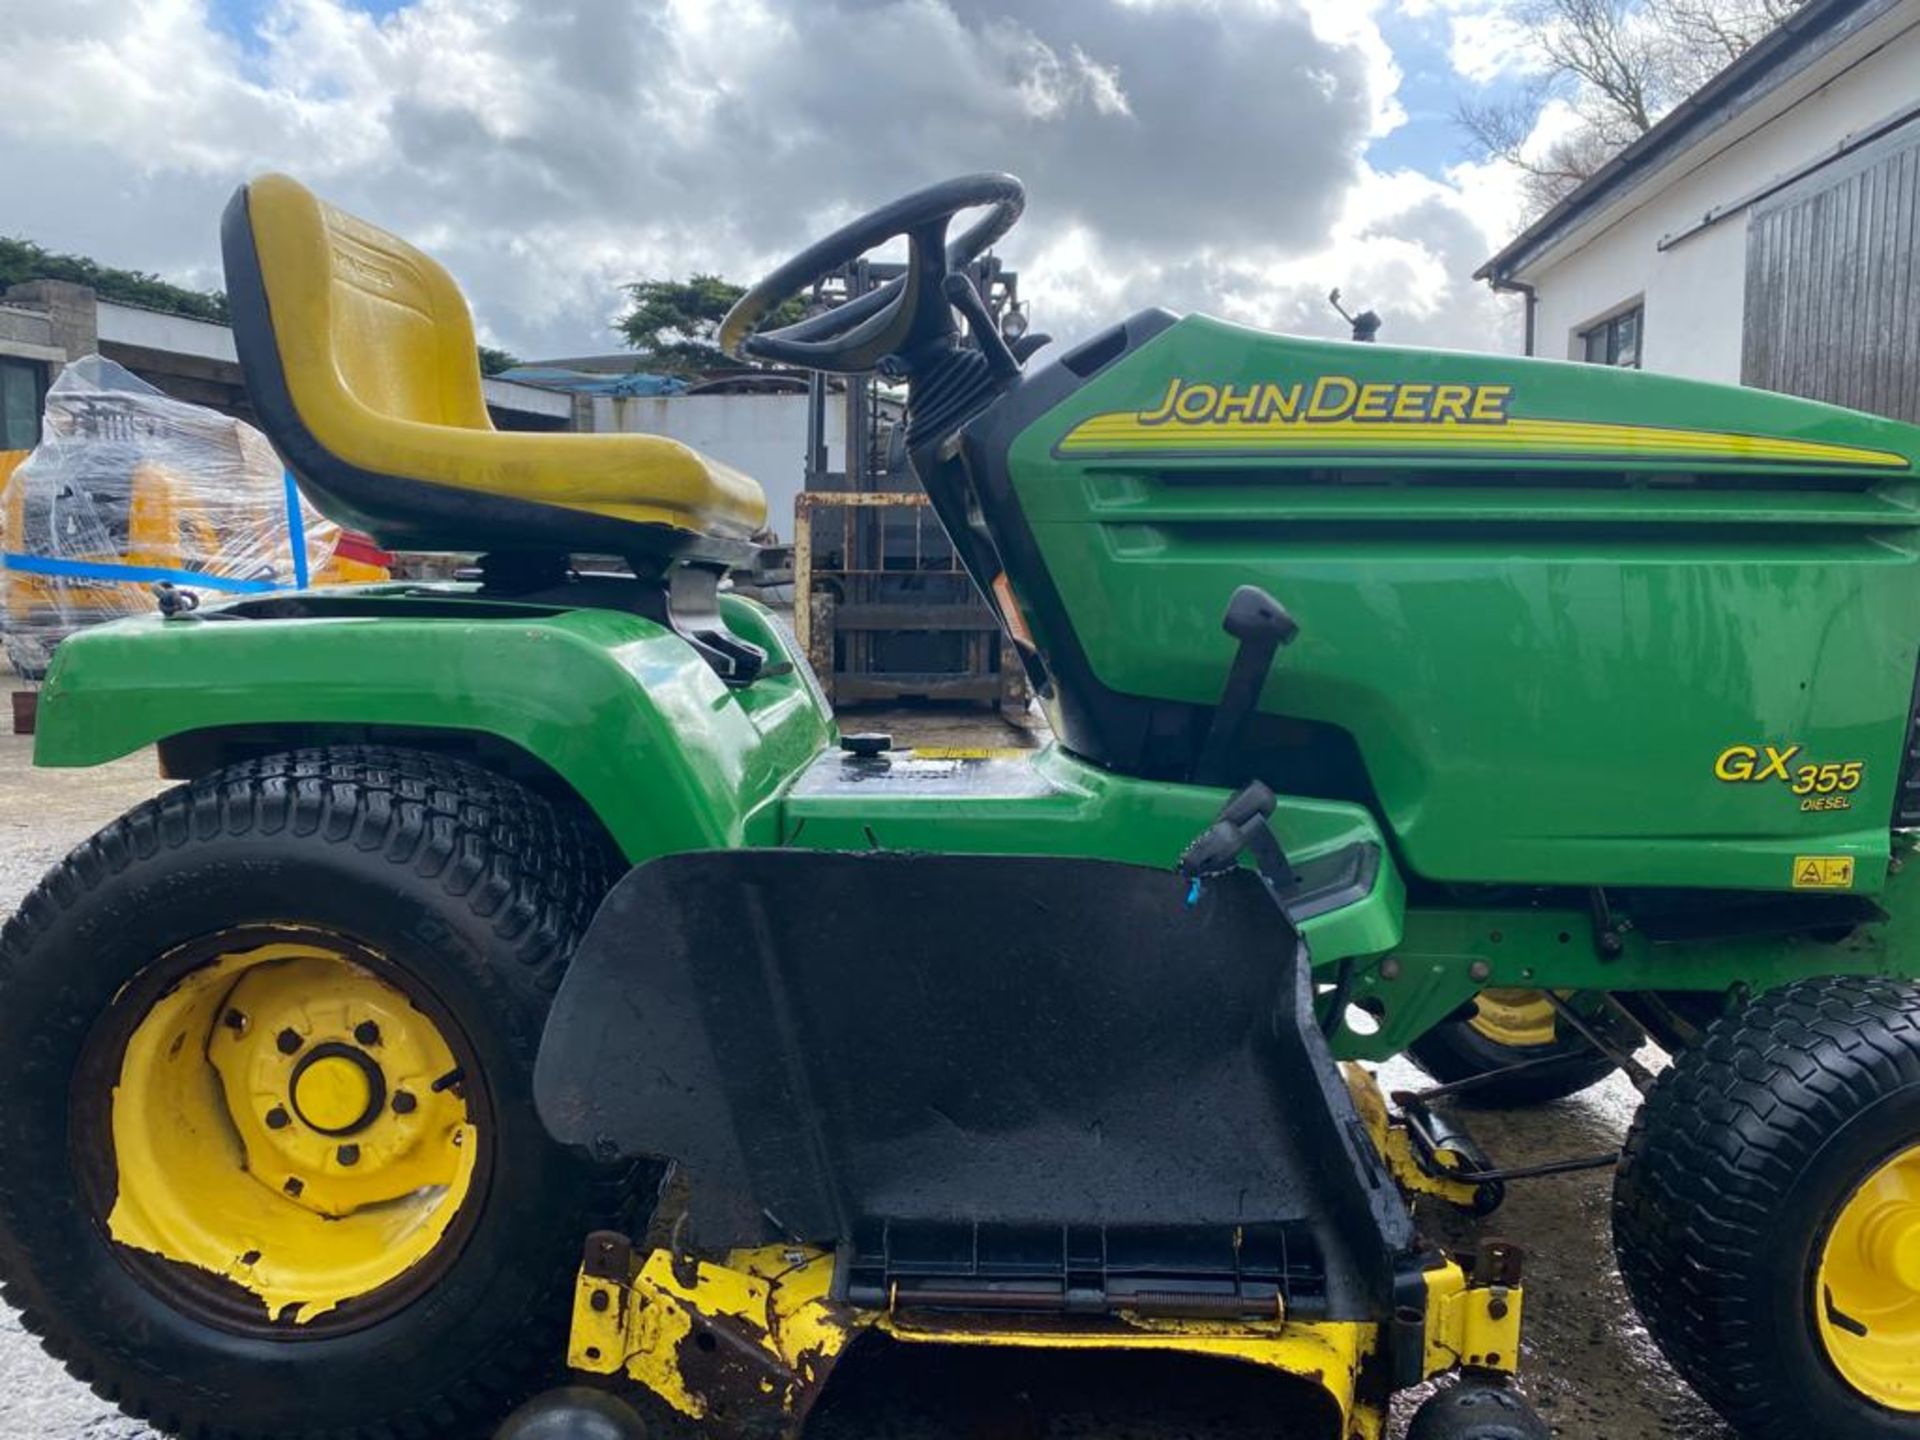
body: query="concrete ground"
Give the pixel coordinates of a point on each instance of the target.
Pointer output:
(1589, 1365)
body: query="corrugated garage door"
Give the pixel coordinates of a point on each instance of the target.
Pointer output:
(1833, 282)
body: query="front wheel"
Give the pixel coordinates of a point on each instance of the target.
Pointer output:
(269, 1163)
(1767, 1213)
(1508, 1028)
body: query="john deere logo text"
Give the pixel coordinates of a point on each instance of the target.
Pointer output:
(1338, 417)
(1330, 400)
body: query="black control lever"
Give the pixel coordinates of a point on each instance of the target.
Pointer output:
(1240, 828)
(1262, 625)
(964, 298)
(1024, 348)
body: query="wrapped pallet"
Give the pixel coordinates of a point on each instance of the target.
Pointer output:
(129, 487)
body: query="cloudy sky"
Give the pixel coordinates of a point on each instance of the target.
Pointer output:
(1234, 156)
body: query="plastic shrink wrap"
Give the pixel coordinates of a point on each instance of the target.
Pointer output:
(129, 486)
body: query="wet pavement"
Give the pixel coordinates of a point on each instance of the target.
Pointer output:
(1589, 1365)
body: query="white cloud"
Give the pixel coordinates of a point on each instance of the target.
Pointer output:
(1356, 24)
(1196, 153)
(1403, 244)
(1486, 43)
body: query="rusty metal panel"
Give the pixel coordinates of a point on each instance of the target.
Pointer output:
(1833, 283)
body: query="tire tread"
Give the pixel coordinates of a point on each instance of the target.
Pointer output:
(1714, 1151)
(534, 870)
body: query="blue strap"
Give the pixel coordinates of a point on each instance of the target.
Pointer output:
(134, 574)
(296, 533)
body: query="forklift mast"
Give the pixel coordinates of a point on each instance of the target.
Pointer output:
(883, 605)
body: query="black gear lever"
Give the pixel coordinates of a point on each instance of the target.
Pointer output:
(1262, 625)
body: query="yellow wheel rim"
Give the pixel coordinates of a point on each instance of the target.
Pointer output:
(1515, 1018)
(287, 1119)
(1868, 1299)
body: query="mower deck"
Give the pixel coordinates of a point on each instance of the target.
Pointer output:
(749, 1343)
(997, 1139)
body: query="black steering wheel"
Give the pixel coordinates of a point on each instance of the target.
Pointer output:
(901, 317)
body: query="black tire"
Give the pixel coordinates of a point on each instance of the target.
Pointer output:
(471, 884)
(1454, 1050)
(1745, 1151)
(1474, 1410)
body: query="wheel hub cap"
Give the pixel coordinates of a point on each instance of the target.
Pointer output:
(1868, 1301)
(337, 1090)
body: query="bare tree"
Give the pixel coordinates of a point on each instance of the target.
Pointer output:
(1618, 65)
(1715, 33)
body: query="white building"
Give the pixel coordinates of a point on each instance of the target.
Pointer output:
(762, 433)
(770, 424)
(1766, 232)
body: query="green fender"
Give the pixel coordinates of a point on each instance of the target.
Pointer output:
(618, 707)
(628, 716)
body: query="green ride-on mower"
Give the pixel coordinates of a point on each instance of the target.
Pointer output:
(527, 980)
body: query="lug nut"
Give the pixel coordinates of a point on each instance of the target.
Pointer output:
(234, 1021)
(289, 1041)
(348, 1154)
(404, 1103)
(294, 1185)
(278, 1119)
(367, 1033)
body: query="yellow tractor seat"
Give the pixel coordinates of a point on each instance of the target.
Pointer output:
(359, 359)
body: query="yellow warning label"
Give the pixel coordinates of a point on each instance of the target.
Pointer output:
(1823, 872)
(955, 752)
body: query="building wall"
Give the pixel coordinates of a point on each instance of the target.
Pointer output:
(27, 332)
(763, 435)
(69, 309)
(1694, 293)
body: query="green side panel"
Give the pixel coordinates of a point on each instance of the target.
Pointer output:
(1054, 804)
(1449, 954)
(1542, 624)
(623, 710)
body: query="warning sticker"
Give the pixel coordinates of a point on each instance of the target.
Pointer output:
(954, 752)
(1823, 872)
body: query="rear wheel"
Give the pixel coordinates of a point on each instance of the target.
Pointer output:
(1767, 1213)
(269, 1163)
(1506, 1028)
